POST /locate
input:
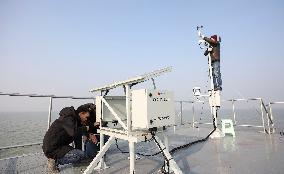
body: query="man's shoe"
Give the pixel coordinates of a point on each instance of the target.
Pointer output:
(218, 89)
(51, 166)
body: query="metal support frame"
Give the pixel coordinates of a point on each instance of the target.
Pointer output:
(127, 133)
(99, 156)
(132, 139)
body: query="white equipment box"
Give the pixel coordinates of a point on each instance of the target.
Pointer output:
(152, 108)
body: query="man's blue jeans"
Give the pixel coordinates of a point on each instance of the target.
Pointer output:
(73, 156)
(77, 155)
(217, 81)
(91, 149)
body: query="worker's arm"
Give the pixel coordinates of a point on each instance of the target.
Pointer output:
(210, 41)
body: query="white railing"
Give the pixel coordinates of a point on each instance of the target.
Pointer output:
(263, 107)
(271, 125)
(51, 98)
(265, 114)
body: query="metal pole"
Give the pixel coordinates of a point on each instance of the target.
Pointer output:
(211, 74)
(128, 113)
(132, 157)
(49, 113)
(214, 109)
(153, 83)
(102, 143)
(181, 112)
(262, 117)
(212, 96)
(234, 112)
(193, 115)
(271, 116)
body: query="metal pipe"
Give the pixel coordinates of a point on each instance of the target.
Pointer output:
(276, 102)
(181, 112)
(49, 113)
(132, 157)
(102, 143)
(193, 115)
(21, 145)
(248, 125)
(262, 116)
(271, 116)
(83, 98)
(128, 112)
(234, 112)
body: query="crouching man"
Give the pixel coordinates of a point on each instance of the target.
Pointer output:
(61, 133)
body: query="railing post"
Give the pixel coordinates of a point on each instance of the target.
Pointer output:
(234, 112)
(271, 116)
(262, 117)
(49, 113)
(193, 115)
(180, 112)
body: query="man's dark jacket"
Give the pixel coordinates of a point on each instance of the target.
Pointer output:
(61, 133)
(215, 53)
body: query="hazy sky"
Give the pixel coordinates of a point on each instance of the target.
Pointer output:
(68, 47)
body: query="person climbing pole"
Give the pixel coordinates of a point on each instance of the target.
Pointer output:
(214, 51)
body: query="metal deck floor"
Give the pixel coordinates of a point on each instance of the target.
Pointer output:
(249, 152)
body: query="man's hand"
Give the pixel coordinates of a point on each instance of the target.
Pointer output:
(201, 42)
(97, 124)
(84, 137)
(93, 138)
(200, 35)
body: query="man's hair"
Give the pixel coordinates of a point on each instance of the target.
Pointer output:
(83, 108)
(215, 37)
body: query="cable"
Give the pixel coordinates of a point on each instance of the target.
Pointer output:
(194, 142)
(165, 157)
(138, 152)
(167, 161)
(161, 151)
